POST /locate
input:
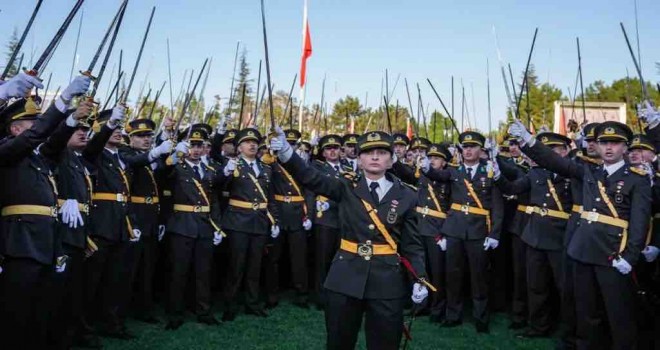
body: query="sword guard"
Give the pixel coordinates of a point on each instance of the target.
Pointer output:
(88, 74)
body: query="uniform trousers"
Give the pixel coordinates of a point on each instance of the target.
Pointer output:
(383, 322)
(457, 251)
(544, 275)
(246, 250)
(296, 241)
(326, 245)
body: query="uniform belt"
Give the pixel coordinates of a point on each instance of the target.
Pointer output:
(468, 209)
(289, 199)
(83, 207)
(26, 209)
(192, 208)
(247, 205)
(113, 197)
(544, 212)
(577, 209)
(144, 200)
(366, 250)
(431, 212)
(592, 216)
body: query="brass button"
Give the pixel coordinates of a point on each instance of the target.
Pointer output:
(371, 226)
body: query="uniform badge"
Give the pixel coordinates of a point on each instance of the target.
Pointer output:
(618, 198)
(391, 216)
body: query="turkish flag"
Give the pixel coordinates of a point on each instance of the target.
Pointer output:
(306, 48)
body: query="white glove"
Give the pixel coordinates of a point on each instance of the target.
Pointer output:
(648, 114)
(322, 206)
(622, 265)
(517, 129)
(163, 148)
(490, 243)
(117, 116)
(495, 168)
(302, 154)
(442, 243)
(78, 86)
(161, 232)
(60, 267)
(136, 235)
(425, 164)
(19, 86)
(650, 174)
(280, 145)
(650, 253)
(230, 167)
(217, 238)
(221, 127)
(274, 231)
(307, 224)
(71, 213)
(419, 293)
(315, 141)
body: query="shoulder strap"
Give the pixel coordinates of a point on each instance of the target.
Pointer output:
(434, 198)
(472, 193)
(553, 191)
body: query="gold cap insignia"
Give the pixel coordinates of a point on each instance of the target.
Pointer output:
(331, 140)
(434, 149)
(143, 126)
(250, 133)
(609, 131)
(197, 135)
(468, 137)
(291, 134)
(373, 137)
(544, 139)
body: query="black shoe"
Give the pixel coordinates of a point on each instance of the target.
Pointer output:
(531, 334)
(148, 319)
(451, 324)
(117, 334)
(272, 304)
(88, 341)
(517, 325)
(482, 327)
(208, 320)
(256, 312)
(228, 316)
(173, 325)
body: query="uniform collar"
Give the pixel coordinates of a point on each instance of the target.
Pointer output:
(613, 168)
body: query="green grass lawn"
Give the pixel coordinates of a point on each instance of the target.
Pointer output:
(289, 327)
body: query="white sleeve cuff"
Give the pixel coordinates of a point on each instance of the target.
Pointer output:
(71, 122)
(60, 105)
(285, 155)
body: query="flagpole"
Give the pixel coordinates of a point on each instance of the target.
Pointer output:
(303, 73)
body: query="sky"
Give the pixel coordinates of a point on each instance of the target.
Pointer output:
(354, 41)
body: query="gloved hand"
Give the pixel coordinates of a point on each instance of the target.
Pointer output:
(419, 293)
(60, 263)
(161, 232)
(71, 213)
(217, 238)
(650, 253)
(307, 224)
(517, 129)
(78, 86)
(136, 235)
(274, 231)
(424, 164)
(162, 149)
(315, 141)
(117, 116)
(493, 167)
(650, 174)
(442, 243)
(230, 167)
(303, 155)
(221, 127)
(280, 145)
(622, 265)
(490, 243)
(648, 114)
(181, 149)
(19, 86)
(322, 206)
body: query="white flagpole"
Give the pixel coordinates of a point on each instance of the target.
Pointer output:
(304, 87)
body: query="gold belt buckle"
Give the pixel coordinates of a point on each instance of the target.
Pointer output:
(149, 200)
(529, 210)
(465, 209)
(592, 216)
(255, 206)
(425, 211)
(120, 197)
(287, 199)
(197, 209)
(543, 212)
(53, 211)
(85, 208)
(365, 250)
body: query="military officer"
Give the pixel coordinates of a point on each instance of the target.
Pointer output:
(290, 198)
(609, 237)
(548, 212)
(472, 227)
(250, 219)
(28, 240)
(350, 153)
(378, 232)
(194, 228)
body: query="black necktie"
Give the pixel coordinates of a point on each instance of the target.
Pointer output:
(374, 195)
(198, 176)
(337, 168)
(116, 157)
(605, 173)
(469, 173)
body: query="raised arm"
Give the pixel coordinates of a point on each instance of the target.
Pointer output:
(547, 158)
(518, 186)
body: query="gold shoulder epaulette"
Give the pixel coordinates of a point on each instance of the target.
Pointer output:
(589, 159)
(210, 167)
(405, 184)
(638, 171)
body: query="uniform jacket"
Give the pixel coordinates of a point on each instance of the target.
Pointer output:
(595, 242)
(330, 217)
(143, 183)
(471, 226)
(383, 276)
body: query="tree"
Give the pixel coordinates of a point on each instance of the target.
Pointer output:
(536, 103)
(242, 81)
(11, 46)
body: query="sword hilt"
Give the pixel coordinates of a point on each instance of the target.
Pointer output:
(88, 74)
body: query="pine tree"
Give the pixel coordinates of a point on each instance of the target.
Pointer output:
(11, 46)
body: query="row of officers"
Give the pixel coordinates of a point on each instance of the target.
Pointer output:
(86, 203)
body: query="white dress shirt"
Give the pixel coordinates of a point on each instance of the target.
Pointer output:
(199, 166)
(473, 169)
(121, 163)
(612, 168)
(384, 186)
